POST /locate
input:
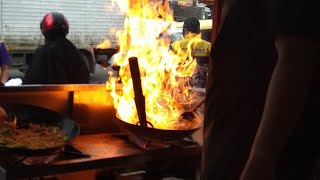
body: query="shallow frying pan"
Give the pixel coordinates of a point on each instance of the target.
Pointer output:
(34, 114)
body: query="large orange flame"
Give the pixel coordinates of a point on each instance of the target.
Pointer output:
(164, 74)
(105, 44)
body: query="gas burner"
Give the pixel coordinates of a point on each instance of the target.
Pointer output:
(148, 143)
(68, 152)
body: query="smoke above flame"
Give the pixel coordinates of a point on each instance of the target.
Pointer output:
(164, 73)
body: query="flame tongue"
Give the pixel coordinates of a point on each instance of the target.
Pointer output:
(164, 74)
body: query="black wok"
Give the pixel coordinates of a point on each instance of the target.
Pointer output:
(155, 133)
(142, 129)
(33, 114)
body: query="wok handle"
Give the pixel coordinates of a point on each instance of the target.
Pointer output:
(138, 94)
(198, 104)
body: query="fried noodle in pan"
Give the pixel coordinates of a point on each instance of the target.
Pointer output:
(32, 137)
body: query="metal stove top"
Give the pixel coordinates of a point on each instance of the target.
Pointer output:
(150, 144)
(106, 151)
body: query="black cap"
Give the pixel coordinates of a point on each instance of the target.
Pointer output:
(192, 24)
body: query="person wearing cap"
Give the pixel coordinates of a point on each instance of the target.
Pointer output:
(200, 50)
(58, 61)
(5, 61)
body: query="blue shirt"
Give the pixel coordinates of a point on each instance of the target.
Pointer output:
(4, 55)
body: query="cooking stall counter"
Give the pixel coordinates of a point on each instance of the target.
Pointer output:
(101, 143)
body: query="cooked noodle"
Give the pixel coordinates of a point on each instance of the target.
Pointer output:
(33, 137)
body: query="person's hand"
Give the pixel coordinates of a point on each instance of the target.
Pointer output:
(1, 84)
(258, 170)
(3, 115)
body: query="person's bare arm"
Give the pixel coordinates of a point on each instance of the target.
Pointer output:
(4, 75)
(298, 60)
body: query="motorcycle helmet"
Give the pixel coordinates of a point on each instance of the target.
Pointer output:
(54, 22)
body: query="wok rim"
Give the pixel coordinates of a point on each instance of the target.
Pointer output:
(165, 134)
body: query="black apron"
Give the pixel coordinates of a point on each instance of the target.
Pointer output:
(243, 58)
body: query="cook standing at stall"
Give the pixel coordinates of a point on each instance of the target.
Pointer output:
(267, 66)
(5, 61)
(244, 56)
